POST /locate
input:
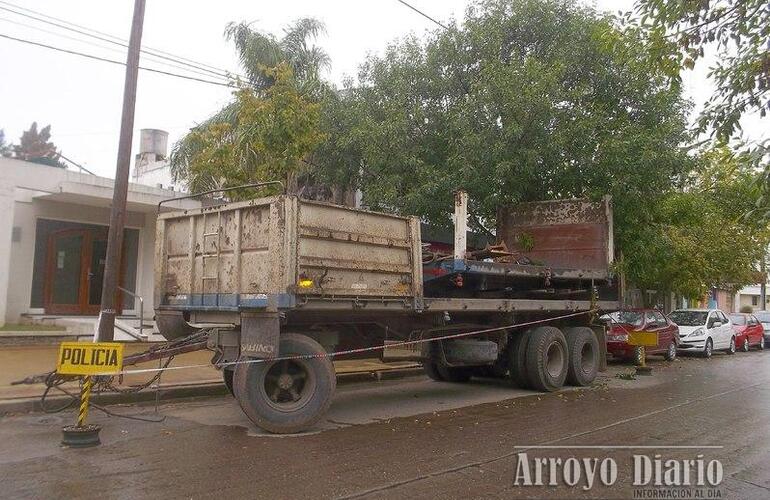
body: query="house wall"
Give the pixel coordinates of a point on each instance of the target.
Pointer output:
(26, 211)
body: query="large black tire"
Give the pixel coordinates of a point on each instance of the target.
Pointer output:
(518, 359)
(547, 358)
(583, 350)
(457, 374)
(431, 370)
(287, 396)
(227, 377)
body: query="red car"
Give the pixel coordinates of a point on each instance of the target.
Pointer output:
(748, 331)
(648, 320)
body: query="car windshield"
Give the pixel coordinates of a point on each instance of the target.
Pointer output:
(627, 317)
(689, 318)
(738, 319)
(764, 317)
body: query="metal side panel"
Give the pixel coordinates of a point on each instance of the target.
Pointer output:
(566, 234)
(352, 252)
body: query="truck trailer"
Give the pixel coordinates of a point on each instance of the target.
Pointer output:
(280, 286)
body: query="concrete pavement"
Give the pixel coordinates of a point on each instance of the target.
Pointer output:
(412, 438)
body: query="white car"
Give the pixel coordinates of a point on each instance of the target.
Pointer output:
(704, 331)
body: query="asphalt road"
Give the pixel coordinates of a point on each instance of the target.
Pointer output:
(417, 438)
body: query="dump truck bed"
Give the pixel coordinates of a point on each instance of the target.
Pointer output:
(280, 250)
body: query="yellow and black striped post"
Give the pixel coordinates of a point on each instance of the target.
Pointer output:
(85, 395)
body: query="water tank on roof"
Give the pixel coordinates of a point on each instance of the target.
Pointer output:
(153, 141)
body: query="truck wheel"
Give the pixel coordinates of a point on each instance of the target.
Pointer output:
(227, 377)
(547, 358)
(518, 359)
(431, 370)
(457, 374)
(583, 349)
(287, 396)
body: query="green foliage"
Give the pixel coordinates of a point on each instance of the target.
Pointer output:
(740, 29)
(698, 239)
(530, 100)
(244, 135)
(678, 32)
(36, 147)
(270, 134)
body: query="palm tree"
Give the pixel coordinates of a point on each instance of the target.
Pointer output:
(258, 52)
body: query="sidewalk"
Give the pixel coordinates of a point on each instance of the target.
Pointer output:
(18, 362)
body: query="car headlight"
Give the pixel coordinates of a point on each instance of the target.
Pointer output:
(696, 333)
(621, 338)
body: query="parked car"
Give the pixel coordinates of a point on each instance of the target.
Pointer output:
(748, 331)
(704, 330)
(621, 323)
(764, 318)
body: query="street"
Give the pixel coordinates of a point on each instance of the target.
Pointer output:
(412, 438)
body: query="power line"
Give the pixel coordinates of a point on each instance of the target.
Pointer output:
(113, 49)
(92, 30)
(423, 14)
(97, 58)
(89, 32)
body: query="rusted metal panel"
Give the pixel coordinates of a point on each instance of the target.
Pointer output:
(355, 252)
(563, 234)
(267, 246)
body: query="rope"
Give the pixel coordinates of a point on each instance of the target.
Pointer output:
(361, 349)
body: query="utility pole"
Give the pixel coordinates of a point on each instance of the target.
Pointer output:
(106, 330)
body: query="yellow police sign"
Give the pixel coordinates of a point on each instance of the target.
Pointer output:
(643, 338)
(81, 358)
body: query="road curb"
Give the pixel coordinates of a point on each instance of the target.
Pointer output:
(168, 393)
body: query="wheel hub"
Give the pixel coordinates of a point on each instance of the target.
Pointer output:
(285, 381)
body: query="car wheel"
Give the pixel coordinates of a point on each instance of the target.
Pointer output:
(761, 345)
(709, 349)
(671, 353)
(731, 349)
(745, 346)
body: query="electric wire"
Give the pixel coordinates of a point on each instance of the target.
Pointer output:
(112, 49)
(218, 73)
(92, 30)
(104, 59)
(423, 14)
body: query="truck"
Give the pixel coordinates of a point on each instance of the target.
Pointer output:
(281, 286)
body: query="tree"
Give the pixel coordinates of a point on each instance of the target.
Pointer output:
(740, 30)
(5, 149)
(680, 31)
(699, 240)
(529, 100)
(35, 146)
(264, 58)
(271, 133)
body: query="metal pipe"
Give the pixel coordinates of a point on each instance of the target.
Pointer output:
(461, 224)
(141, 307)
(212, 191)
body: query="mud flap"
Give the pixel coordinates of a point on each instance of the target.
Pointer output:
(260, 334)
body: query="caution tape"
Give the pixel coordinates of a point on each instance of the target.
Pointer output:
(354, 351)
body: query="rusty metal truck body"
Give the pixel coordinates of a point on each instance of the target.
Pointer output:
(279, 277)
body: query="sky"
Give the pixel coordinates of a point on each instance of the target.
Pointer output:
(81, 99)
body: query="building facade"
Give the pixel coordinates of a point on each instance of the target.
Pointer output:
(53, 237)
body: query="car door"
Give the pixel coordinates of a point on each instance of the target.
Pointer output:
(651, 325)
(713, 331)
(726, 329)
(664, 331)
(756, 330)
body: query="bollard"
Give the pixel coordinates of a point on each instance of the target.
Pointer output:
(82, 435)
(643, 369)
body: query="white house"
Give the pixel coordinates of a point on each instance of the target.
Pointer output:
(53, 236)
(749, 296)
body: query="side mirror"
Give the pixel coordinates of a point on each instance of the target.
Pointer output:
(716, 324)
